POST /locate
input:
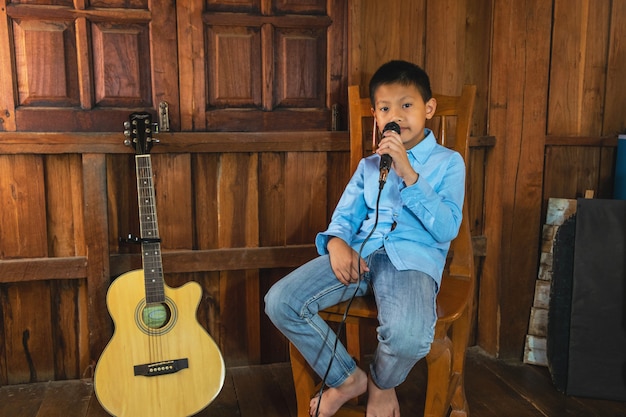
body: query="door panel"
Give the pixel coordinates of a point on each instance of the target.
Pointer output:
(267, 65)
(84, 68)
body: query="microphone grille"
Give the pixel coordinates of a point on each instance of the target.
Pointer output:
(392, 126)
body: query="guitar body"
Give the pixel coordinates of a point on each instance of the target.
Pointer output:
(158, 388)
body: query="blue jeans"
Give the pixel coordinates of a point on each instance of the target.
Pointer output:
(407, 315)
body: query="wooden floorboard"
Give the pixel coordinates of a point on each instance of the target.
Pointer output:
(494, 389)
(226, 403)
(66, 399)
(21, 400)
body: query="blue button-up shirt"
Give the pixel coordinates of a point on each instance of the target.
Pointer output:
(427, 215)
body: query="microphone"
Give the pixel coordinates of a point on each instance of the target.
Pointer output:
(385, 159)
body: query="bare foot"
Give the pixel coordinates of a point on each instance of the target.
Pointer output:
(381, 402)
(333, 398)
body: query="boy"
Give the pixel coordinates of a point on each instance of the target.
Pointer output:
(397, 242)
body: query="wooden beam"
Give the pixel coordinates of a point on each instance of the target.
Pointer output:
(179, 261)
(180, 142)
(14, 143)
(517, 117)
(283, 21)
(229, 259)
(482, 141)
(191, 64)
(97, 242)
(165, 63)
(18, 11)
(555, 140)
(36, 269)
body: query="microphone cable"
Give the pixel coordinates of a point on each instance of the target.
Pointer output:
(345, 314)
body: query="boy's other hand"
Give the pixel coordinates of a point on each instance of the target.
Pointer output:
(345, 261)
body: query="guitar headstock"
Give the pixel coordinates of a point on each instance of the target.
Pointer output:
(139, 131)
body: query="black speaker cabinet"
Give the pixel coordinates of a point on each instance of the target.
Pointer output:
(587, 350)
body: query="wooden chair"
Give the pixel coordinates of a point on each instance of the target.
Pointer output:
(446, 360)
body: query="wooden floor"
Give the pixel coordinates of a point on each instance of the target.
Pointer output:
(494, 389)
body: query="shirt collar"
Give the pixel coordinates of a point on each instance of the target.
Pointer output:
(422, 150)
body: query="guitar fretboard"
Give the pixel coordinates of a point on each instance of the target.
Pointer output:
(150, 246)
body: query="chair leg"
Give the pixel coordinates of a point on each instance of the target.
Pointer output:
(439, 361)
(303, 380)
(460, 331)
(459, 403)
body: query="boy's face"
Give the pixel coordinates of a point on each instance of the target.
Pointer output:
(405, 106)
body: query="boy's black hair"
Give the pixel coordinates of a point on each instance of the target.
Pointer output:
(404, 73)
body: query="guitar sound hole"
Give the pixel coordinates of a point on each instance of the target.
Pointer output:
(156, 316)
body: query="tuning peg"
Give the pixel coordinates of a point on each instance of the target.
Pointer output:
(127, 132)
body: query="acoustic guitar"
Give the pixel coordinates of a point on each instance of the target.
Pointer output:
(160, 361)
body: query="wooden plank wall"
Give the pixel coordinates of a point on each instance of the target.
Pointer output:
(555, 108)
(549, 93)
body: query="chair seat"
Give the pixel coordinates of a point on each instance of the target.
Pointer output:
(451, 301)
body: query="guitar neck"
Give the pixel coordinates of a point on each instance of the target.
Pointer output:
(150, 246)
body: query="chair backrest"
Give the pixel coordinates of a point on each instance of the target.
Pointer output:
(457, 108)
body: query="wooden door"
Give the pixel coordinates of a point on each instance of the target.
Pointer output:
(262, 65)
(80, 66)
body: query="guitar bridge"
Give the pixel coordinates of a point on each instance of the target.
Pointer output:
(161, 368)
